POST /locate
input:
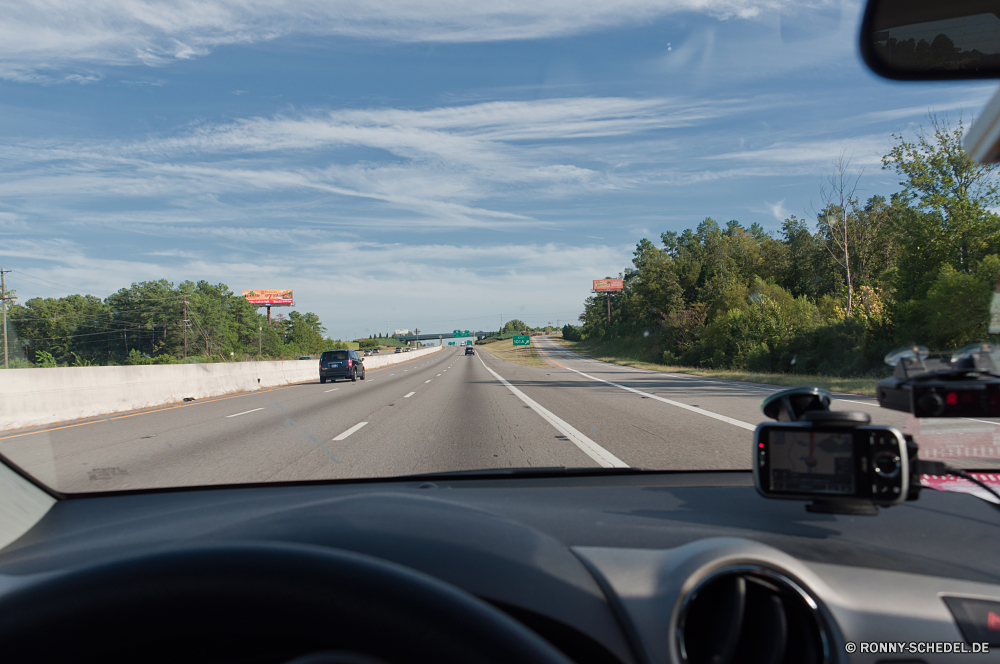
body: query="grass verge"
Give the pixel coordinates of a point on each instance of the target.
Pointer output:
(504, 350)
(860, 386)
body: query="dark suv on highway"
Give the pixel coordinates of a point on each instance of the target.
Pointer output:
(334, 364)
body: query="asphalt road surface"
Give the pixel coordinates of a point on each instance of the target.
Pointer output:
(442, 412)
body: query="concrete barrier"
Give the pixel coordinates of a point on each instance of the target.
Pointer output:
(33, 397)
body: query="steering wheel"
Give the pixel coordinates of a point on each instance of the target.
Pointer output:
(258, 603)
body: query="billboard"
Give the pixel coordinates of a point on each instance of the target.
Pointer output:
(269, 298)
(607, 285)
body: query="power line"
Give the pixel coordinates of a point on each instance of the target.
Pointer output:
(111, 315)
(44, 281)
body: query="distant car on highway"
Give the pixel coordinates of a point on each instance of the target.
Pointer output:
(469, 350)
(334, 364)
(399, 349)
(306, 357)
(367, 353)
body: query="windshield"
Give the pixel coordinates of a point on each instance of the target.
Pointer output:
(644, 217)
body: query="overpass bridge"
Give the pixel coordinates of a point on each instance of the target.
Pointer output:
(440, 336)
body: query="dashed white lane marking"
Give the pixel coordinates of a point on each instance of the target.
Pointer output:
(334, 389)
(587, 446)
(426, 381)
(409, 395)
(245, 412)
(350, 431)
(439, 375)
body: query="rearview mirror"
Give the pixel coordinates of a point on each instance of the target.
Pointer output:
(932, 39)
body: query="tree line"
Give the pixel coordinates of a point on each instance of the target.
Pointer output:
(831, 295)
(156, 322)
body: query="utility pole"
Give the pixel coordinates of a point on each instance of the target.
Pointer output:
(607, 296)
(3, 305)
(185, 327)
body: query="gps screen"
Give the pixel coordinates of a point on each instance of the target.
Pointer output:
(812, 462)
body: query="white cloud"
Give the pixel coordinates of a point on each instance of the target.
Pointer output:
(967, 107)
(865, 151)
(449, 166)
(777, 209)
(39, 36)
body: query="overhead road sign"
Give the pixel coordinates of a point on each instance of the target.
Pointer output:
(479, 334)
(522, 340)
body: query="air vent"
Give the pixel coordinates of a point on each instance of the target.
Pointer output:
(749, 614)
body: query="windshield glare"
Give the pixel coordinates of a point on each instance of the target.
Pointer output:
(644, 218)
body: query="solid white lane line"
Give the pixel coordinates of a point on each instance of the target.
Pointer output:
(873, 404)
(350, 431)
(245, 412)
(693, 409)
(334, 389)
(587, 446)
(409, 395)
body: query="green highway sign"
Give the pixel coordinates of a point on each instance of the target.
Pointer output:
(522, 340)
(451, 343)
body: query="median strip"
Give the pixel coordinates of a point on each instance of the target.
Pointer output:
(603, 457)
(350, 431)
(245, 412)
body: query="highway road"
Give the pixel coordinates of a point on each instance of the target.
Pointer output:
(442, 412)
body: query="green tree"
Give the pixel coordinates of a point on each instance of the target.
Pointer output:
(941, 179)
(81, 324)
(303, 331)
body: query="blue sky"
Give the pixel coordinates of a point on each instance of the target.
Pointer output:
(435, 164)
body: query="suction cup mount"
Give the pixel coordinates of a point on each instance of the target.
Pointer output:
(809, 404)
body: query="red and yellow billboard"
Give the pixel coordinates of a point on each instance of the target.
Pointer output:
(269, 298)
(608, 285)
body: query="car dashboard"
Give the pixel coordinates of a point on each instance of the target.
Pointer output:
(607, 568)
